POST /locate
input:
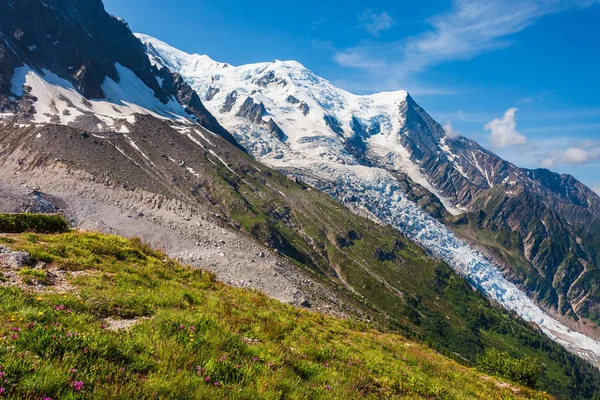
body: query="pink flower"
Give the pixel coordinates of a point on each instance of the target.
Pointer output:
(1, 374)
(69, 334)
(327, 387)
(85, 351)
(2, 390)
(47, 398)
(255, 359)
(16, 329)
(181, 327)
(192, 328)
(77, 386)
(207, 378)
(59, 308)
(217, 383)
(73, 370)
(14, 337)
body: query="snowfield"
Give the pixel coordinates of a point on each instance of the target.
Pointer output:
(314, 151)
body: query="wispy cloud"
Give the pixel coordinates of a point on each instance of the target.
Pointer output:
(470, 28)
(503, 131)
(375, 23)
(526, 100)
(355, 60)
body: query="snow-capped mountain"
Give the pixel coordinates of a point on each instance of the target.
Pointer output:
(120, 142)
(71, 63)
(355, 148)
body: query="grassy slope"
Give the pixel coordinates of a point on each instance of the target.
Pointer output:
(252, 346)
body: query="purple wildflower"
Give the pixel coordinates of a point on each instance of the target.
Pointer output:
(1, 374)
(73, 370)
(207, 378)
(181, 327)
(77, 386)
(16, 329)
(14, 337)
(217, 383)
(327, 387)
(2, 390)
(192, 328)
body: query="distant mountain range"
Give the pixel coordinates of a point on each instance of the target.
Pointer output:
(219, 164)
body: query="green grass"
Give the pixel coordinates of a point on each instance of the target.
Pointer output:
(192, 332)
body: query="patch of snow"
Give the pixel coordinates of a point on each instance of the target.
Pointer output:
(58, 100)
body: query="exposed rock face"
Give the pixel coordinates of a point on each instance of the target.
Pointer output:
(76, 39)
(292, 100)
(212, 92)
(13, 259)
(254, 112)
(304, 108)
(333, 124)
(276, 130)
(230, 101)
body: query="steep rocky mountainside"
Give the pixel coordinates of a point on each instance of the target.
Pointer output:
(553, 220)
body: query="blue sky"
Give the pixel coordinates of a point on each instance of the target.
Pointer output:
(519, 76)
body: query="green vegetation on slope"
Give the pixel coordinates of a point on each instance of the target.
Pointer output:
(397, 284)
(188, 336)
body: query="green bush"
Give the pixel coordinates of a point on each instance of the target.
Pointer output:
(40, 223)
(521, 370)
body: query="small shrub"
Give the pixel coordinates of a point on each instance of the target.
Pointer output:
(525, 371)
(40, 223)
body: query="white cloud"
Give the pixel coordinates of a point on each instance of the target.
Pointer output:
(503, 132)
(583, 154)
(450, 131)
(376, 23)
